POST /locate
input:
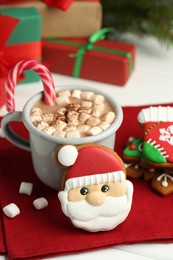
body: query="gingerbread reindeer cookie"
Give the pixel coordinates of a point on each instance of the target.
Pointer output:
(95, 193)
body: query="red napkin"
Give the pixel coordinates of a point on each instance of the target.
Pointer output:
(38, 234)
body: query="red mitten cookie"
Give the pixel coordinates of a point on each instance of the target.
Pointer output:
(96, 195)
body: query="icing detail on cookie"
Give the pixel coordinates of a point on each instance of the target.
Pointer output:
(151, 127)
(133, 150)
(156, 114)
(166, 134)
(94, 160)
(136, 166)
(165, 178)
(160, 149)
(67, 155)
(132, 147)
(151, 170)
(161, 138)
(152, 153)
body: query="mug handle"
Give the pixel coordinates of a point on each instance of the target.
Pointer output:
(10, 134)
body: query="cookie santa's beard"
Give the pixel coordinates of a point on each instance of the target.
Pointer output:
(98, 218)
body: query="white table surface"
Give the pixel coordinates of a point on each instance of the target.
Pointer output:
(150, 83)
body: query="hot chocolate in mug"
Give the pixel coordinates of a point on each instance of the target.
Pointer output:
(43, 146)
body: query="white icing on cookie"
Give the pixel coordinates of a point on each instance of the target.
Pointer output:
(156, 114)
(67, 155)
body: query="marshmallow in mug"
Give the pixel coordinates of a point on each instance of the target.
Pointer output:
(75, 114)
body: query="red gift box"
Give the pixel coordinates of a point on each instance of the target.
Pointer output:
(106, 61)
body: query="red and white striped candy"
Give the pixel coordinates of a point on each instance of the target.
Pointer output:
(17, 70)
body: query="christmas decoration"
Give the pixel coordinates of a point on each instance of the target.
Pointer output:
(93, 58)
(17, 70)
(151, 155)
(96, 197)
(140, 17)
(73, 22)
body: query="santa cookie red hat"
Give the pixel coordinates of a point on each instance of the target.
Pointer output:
(90, 164)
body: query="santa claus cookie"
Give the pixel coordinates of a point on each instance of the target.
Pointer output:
(157, 124)
(95, 193)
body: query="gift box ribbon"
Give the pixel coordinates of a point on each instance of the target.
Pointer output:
(11, 54)
(83, 48)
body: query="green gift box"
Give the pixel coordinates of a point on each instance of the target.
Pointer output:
(20, 40)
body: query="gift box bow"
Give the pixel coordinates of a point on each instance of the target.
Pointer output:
(83, 48)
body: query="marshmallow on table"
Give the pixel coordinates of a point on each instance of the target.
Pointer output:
(40, 203)
(11, 210)
(26, 188)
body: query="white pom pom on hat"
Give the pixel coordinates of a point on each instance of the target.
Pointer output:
(67, 155)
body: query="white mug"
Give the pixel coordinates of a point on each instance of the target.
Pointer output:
(43, 146)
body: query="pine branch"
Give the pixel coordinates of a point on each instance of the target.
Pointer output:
(142, 17)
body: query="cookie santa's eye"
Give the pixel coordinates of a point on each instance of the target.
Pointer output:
(84, 191)
(104, 188)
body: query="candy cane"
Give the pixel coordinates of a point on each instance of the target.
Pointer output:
(17, 70)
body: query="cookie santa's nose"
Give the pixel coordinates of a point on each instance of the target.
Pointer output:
(96, 198)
